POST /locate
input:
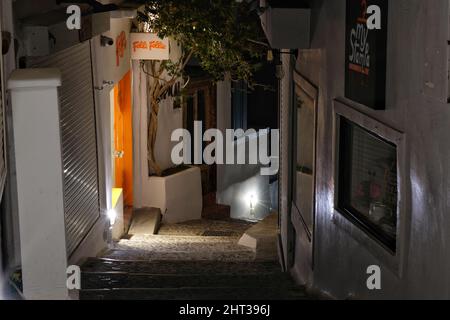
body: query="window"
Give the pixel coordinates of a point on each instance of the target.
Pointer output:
(368, 186)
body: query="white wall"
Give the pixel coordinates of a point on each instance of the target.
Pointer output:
(41, 203)
(236, 182)
(169, 119)
(418, 34)
(11, 228)
(242, 185)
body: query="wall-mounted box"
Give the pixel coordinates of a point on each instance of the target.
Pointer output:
(286, 27)
(48, 33)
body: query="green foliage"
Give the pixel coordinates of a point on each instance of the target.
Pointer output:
(221, 34)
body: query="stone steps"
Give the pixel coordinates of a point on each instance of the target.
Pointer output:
(231, 294)
(224, 254)
(121, 280)
(169, 247)
(145, 221)
(179, 267)
(184, 265)
(186, 280)
(214, 211)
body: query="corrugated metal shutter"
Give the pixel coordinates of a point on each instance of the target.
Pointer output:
(2, 127)
(79, 140)
(2, 142)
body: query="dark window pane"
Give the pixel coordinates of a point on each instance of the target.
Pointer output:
(368, 182)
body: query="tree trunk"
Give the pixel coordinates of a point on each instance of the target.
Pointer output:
(151, 140)
(157, 89)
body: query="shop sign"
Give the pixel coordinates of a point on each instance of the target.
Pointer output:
(148, 46)
(366, 52)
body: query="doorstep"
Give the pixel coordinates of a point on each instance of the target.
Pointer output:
(263, 238)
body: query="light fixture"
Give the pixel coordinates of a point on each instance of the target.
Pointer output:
(252, 201)
(112, 216)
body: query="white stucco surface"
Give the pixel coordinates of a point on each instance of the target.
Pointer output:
(178, 196)
(416, 106)
(236, 183)
(40, 203)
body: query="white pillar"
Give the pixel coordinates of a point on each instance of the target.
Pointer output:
(37, 140)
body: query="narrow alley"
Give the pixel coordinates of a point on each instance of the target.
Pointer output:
(224, 150)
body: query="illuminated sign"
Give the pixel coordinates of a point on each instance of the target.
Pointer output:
(148, 46)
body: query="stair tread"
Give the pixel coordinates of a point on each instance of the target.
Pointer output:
(177, 267)
(218, 293)
(112, 280)
(216, 212)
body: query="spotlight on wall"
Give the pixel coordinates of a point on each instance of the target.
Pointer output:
(252, 201)
(106, 41)
(112, 216)
(251, 198)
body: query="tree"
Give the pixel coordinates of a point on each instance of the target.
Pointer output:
(223, 35)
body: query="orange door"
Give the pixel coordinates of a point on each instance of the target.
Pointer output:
(123, 139)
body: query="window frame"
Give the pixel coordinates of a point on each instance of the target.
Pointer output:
(343, 198)
(376, 123)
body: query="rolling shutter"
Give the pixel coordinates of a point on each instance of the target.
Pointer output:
(3, 171)
(79, 140)
(2, 140)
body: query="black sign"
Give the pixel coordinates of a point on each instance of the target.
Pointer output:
(366, 50)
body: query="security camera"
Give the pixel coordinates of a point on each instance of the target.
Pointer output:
(106, 41)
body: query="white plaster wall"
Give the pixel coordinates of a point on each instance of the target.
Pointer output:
(417, 30)
(41, 203)
(237, 193)
(169, 119)
(146, 193)
(236, 182)
(11, 219)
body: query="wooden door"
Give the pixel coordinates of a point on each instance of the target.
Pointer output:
(123, 139)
